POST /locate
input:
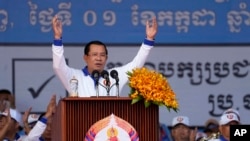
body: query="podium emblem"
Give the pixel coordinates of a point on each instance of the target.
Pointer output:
(111, 128)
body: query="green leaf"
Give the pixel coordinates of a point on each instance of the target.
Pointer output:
(158, 103)
(136, 100)
(132, 90)
(147, 104)
(168, 109)
(129, 73)
(176, 110)
(161, 104)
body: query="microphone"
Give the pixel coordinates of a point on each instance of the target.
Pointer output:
(114, 74)
(95, 74)
(105, 75)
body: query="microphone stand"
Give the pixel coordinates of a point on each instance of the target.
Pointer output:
(105, 75)
(107, 87)
(117, 88)
(108, 90)
(96, 88)
(95, 75)
(114, 75)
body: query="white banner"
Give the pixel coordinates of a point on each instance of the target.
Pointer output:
(206, 79)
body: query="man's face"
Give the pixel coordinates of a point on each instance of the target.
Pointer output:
(181, 132)
(96, 58)
(3, 121)
(4, 96)
(225, 129)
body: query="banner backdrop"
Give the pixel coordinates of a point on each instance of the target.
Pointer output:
(123, 21)
(206, 79)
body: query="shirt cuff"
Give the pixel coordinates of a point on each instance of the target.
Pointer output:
(149, 42)
(43, 120)
(58, 42)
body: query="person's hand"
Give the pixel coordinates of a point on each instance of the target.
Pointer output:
(26, 116)
(2, 105)
(193, 134)
(151, 29)
(7, 125)
(8, 122)
(57, 27)
(51, 108)
(25, 120)
(11, 99)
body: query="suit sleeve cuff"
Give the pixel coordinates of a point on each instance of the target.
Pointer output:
(149, 42)
(43, 120)
(58, 42)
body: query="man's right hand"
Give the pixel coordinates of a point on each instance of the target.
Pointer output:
(57, 27)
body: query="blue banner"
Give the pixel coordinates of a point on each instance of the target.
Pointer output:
(123, 21)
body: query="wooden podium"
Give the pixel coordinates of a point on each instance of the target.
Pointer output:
(74, 117)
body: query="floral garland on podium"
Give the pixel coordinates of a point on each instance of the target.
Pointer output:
(152, 87)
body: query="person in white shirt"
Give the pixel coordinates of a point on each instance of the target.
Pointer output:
(10, 121)
(181, 129)
(229, 117)
(96, 55)
(42, 129)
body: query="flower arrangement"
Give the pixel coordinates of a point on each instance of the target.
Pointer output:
(152, 87)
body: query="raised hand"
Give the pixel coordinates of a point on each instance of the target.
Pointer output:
(151, 29)
(51, 108)
(2, 105)
(25, 120)
(26, 115)
(193, 134)
(11, 99)
(57, 27)
(8, 124)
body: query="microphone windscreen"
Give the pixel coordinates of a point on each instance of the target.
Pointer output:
(95, 74)
(114, 74)
(105, 74)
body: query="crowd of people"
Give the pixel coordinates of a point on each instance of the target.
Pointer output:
(213, 130)
(15, 126)
(28, 126)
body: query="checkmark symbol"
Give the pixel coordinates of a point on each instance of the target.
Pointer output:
(34, 93)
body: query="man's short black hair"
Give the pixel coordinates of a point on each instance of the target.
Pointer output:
(5, 91)
(95, 42)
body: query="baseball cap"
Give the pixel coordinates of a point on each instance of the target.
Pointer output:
(180, 120)
(211, 124)
(231, 110)
(226, 118)
(15, 114)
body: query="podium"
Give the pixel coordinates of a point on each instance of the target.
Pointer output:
(74, 117)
